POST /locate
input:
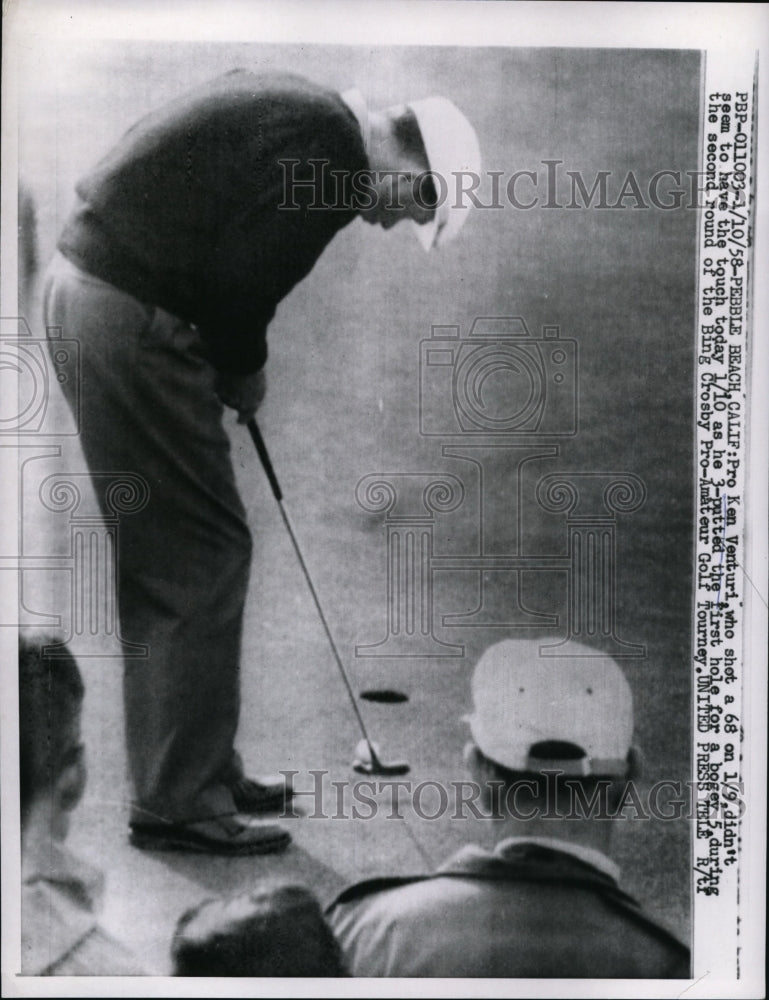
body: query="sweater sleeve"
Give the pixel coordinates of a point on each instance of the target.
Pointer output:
(235, 335)
(186, 212)
(263, 251)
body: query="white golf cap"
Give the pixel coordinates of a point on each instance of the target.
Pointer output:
(452, 147)
(534, 712)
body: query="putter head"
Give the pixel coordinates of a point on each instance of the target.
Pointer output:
(368, 761)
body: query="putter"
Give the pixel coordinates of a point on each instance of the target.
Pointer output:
(368, 759)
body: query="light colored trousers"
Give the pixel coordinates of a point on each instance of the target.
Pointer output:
(148, 406)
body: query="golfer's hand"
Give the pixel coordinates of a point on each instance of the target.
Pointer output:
(243, 393)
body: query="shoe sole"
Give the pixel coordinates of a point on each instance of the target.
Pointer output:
(167, 841)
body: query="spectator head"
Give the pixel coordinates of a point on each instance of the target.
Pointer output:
(275, 930)
(571, 716)
(52, 768)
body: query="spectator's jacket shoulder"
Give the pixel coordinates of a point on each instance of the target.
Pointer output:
(537, 865)
(61, 936)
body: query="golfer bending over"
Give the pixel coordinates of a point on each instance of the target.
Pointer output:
(184, 240)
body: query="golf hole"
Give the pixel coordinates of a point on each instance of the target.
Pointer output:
(386, 696)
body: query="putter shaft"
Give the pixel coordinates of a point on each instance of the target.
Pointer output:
(264, 457)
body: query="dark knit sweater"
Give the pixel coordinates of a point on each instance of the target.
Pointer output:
(184, 212)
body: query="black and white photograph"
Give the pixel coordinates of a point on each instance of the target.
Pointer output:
(384, 535)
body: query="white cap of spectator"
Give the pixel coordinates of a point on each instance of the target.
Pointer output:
(534, 711)
(452, 148)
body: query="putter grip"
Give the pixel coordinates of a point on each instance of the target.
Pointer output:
(264, 458)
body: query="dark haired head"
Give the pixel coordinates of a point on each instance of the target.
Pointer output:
(276, 930)
(50, 700)
(554, 786)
